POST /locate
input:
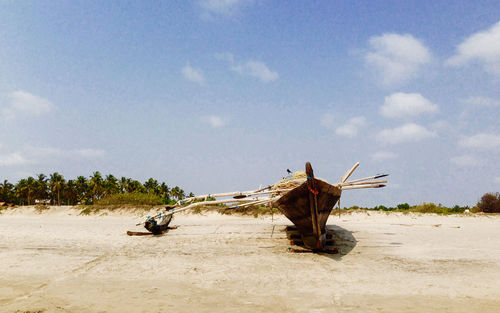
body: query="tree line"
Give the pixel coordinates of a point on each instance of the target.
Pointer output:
(82, 190)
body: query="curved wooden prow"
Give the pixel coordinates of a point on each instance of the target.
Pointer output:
(313, 205)
(308, 206)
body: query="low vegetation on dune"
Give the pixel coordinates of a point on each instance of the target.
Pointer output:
(426, 207)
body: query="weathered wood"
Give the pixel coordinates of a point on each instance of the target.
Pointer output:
(313, 204)
(367, 178)
(234, 194)
(369, 182)
(362, 186)
(349, 172)
(295, 205)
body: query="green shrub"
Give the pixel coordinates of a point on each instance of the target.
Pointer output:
(88, 211)
(134, 198)
(490, 203)
(427, 208)
(458, 209)
(403, 206)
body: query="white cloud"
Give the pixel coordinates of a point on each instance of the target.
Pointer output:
(225, 56)
(483, 46)
(192, 74)
(351, 128)
(400, 105)
(496, 179)
(44, 153)
(89, 153)
(22, 102)
(482, 101)
(466, 160)
(396, 57)
(37, 155)
(12, 159)
(214, 121)
(328, 121)
(481, 141)
(409, 132)
(384, 155)
(256, 69)
(222, 7)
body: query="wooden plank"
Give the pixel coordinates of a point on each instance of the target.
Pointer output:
(313, 201)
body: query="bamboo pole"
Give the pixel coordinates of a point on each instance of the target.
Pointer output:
(349, 172)
(263, 201)
(362, 186)
(232, 194)
(365, 183)
(367, 178)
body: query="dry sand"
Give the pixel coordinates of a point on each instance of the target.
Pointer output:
(61, 262)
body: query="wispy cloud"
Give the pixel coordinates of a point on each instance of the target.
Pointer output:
(225, 8)
(192, 74)
(256, 69)
(37, 155)
(409, 132)
(403, 105)
(328, 121)
(12, 159)
(482, 101)
(466, 160)
(89, 153)
(25, 103)
(482, 47)
(384, 155)
(351, 128)
(214, 121)
(224, 56)
(50, 152)
(396, 57)
(481, 141)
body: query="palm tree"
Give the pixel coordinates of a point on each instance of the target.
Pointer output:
(56, 183)
(30, 188)
(6, 191)
(41, 187)
(21, 191)
(71, 192)
(135, 186)
(96, 186)
(164, 191)
(152, 186)
(177, 193)
(82, 187)
(111, 185)
(123, 184)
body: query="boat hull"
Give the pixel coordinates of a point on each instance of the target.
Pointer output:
(306, 207)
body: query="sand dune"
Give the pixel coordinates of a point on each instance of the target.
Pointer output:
(61, 262)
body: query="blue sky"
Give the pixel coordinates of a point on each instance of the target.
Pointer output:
(223, 95)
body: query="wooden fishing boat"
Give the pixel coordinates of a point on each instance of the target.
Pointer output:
(308, 207)
(305, 200)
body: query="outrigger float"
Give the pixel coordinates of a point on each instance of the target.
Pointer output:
(305, 200)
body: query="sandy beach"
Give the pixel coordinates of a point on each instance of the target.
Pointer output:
(59, 261)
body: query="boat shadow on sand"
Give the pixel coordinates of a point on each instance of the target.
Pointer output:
(343, 241)
(339, 242)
